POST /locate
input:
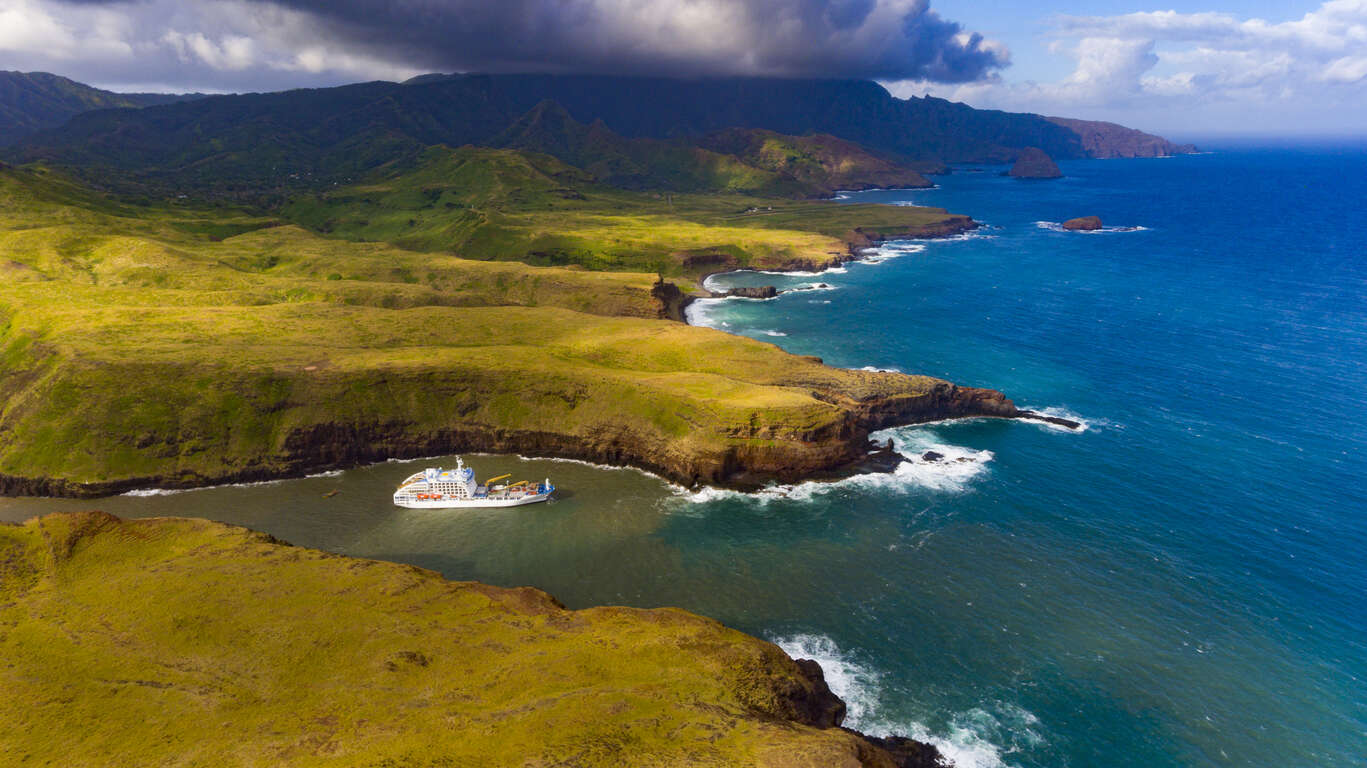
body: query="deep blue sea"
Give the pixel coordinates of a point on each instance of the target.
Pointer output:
(1182, 584)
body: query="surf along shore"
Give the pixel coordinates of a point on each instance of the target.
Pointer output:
(859, 244)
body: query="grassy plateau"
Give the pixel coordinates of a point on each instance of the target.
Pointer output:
(176, 642)
(170, 345)
(502, 204)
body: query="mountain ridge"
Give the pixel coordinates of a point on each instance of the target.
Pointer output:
(34, 101)
(250, 143)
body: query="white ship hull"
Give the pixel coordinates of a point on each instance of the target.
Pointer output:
(516, 501)
(436, 488)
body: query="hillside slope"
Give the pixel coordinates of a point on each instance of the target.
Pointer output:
(34, 101)
(185, 643)
(278, 142)
(504, 204)
(180, 347)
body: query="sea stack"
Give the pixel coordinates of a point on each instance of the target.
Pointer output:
(1083, 224)
(1033, 163)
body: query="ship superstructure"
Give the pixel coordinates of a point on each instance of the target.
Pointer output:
(437, 488)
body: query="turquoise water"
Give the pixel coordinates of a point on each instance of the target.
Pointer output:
(1185, 582)
(1181, 584)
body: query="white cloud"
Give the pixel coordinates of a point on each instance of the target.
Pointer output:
(1203, 71)
(28, 27)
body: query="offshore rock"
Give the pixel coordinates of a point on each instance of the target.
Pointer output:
(1083, 224)
(752, 292)
(1033, 163)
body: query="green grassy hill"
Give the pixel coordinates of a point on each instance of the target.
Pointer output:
(182, 346)
(529, 207)
(185, 643)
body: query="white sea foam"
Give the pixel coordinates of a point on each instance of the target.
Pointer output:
(699, 312)
(953, 472)
(1059, 413)
(900, 247)
(981, 233)
(873, 369)
(581, 462)
(977, 738)
(817, 273)
(147, 492)
(773, 333)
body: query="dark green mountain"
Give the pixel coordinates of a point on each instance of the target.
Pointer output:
(34, 101)
(258, 143)
(743, 160)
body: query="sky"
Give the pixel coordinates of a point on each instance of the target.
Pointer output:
(1185, 68)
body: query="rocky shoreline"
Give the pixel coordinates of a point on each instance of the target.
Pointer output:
(839, 449)
(338, 446)
(676, 303)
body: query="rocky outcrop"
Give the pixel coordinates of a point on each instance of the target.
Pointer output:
(1033, 163)
(752, 292)
(1108, 140)
(949, 226)
(909, 753)
(1083, 224)
(672, 300)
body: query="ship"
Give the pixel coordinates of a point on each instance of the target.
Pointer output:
(437, 488)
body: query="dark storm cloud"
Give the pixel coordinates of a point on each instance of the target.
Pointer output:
(880, 39)
(886, 39)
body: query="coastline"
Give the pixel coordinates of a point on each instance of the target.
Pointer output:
(524, 639)
(327, 447)
(953, 226)
(333, 447)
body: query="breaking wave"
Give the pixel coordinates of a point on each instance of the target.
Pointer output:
(928, 465)
(981, 737)
(1059, 413)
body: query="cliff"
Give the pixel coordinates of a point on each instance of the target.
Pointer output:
(181, 642)
(1033, 163)
(1108, 140)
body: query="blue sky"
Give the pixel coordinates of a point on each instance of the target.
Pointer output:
(1023, 26)
(1184, 68)
(1180, 67)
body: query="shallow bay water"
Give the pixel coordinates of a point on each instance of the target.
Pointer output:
(1182, 583)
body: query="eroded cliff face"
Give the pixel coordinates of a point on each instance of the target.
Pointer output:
(755, 454)
(1108, 140)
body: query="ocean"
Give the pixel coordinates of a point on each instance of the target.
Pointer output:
(1182, 583)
